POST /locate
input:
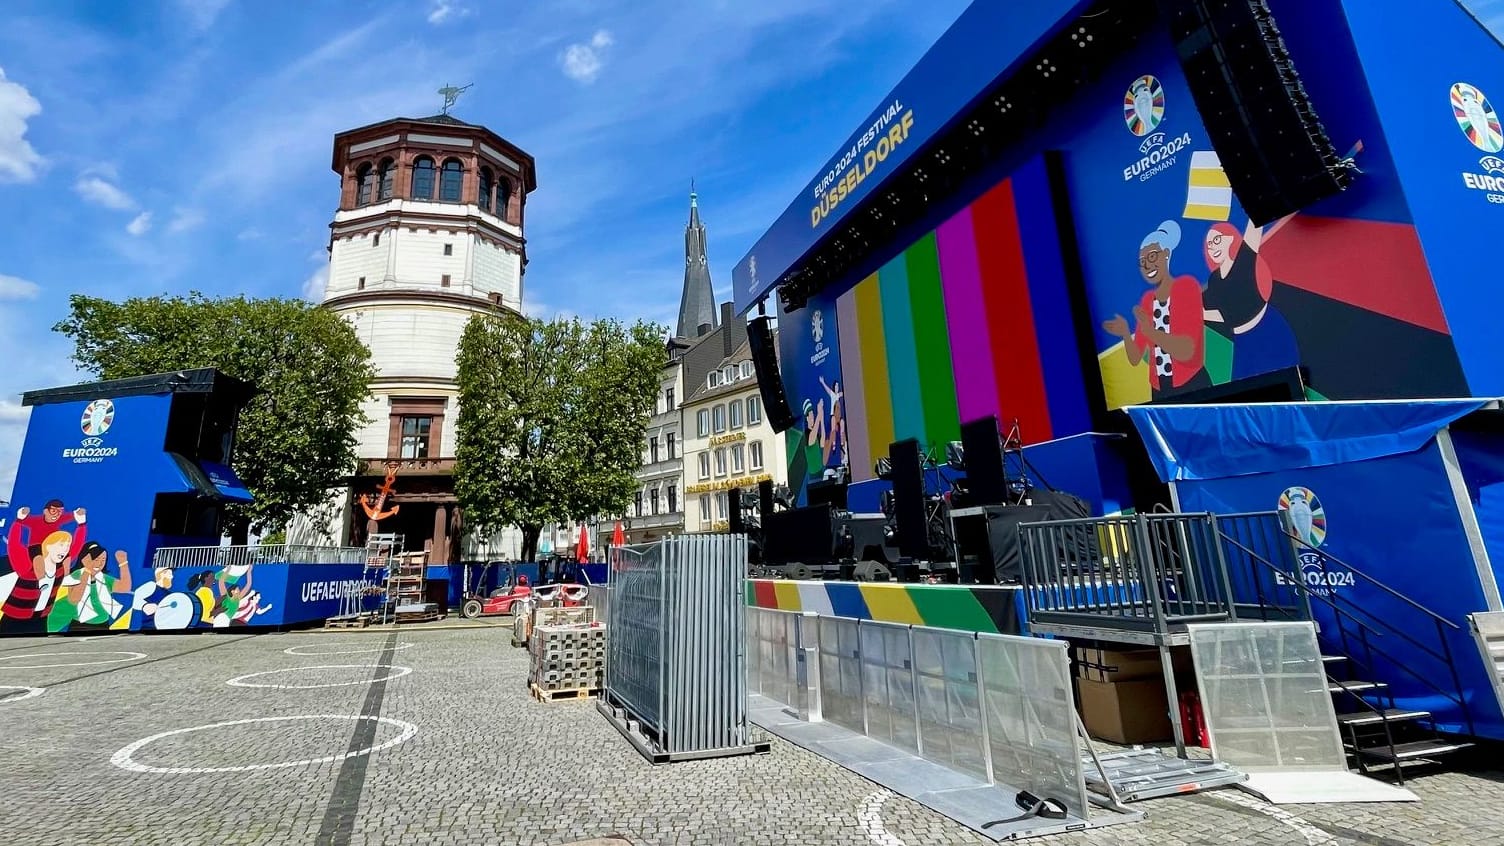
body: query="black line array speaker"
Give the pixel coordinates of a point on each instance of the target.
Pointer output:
(908, 499)
(986, 482)
(1275, 153)
(764, 502)
(738, 523)
(765, 359)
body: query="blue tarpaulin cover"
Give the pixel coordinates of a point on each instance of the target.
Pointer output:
(1188, 442)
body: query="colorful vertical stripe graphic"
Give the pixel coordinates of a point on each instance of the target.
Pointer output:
(972, 319)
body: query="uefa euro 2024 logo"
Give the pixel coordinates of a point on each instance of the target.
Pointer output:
(1476, 118)
(97, 418)
(817, 327)
(1305, 519)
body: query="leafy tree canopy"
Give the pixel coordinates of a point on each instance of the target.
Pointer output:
(297, 439)
(551, 420)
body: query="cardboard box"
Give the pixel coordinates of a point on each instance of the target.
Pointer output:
(1126, 712)
(1114, 665)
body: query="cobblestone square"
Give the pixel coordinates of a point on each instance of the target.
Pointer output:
(430, 736)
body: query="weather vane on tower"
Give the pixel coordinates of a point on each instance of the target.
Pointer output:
(450, 94)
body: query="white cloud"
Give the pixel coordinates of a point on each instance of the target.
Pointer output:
(583, 62)
(443, 10)
(18, 160)
(102, 192)
(313, 286)
(184, 220)
(16, 288)
(140, 225)
(201, 14)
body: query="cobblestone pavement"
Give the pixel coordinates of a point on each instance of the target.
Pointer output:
(139, 740)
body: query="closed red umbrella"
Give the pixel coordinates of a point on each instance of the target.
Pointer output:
(582, 551)
(618, 540)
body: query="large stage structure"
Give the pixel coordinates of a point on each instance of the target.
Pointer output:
(1073, 209)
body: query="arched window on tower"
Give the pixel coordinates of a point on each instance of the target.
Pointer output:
(423, 178)
(503, 197)
(487, 182)
(363, 184)
(450, 181)
(384, 172)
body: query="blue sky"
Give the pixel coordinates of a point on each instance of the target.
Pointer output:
(174, 145)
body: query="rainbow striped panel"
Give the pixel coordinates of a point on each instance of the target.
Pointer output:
(989, 609)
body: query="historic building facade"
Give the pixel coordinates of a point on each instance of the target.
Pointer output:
(728, 441)
(429, 232)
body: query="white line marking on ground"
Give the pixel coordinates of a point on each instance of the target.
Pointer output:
(123, 760)
(240, 681)
(134, 656)
(31, 693)
(1313, 835)
(293, 650)
(871, 819)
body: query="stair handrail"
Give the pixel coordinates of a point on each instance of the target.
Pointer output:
(1370, 579)
(1456, 695)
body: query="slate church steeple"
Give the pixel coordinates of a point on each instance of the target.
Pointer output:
(697, 304)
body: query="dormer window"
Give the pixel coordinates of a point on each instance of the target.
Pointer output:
(713, 378)
(728, 374)
(746, 370)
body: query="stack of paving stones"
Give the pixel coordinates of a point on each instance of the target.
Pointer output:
(568, 657)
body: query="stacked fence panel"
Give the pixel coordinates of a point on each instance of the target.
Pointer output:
(678, 641)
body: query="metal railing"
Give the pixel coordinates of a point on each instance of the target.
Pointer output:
(997, 708)
(232, 556)
(1145, 572)
(675, 654)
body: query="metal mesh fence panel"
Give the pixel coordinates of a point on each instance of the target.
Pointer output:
(677, 641)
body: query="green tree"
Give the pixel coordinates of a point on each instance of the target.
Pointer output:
(297, 439)
(551, 420)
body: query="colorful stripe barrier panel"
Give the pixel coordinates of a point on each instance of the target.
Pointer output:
(993, 609)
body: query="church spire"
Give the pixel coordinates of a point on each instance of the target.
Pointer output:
(697, 303)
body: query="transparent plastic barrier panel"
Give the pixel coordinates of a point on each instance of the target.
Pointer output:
(1031, 717)
(888, 684)
(949, 706)
(841, 673)
(1264, 696)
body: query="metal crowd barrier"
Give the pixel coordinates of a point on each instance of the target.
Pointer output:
(676, 674)
(998, 708)
(242, 556)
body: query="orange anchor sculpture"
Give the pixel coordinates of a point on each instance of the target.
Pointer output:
(374, 512)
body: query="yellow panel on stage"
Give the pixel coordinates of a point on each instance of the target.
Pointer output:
(1124, 384)
(891, 604)
(1209, 195)
(787, 594)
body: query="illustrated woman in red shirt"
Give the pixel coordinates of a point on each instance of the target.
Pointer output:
(1170, 326)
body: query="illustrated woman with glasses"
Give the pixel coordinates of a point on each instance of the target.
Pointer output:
(1236, 301)
(1169, 334)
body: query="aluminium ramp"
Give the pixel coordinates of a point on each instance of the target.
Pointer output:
(968, 800)
(1138, 774)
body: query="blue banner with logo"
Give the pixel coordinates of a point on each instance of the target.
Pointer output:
(809, 351)
(240, 596)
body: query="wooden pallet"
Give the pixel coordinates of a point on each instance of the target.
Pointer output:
(428, 617)
(561, 695)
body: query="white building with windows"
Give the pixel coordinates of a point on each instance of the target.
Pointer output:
(728, 442)
(658, 507)
(428, 232)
